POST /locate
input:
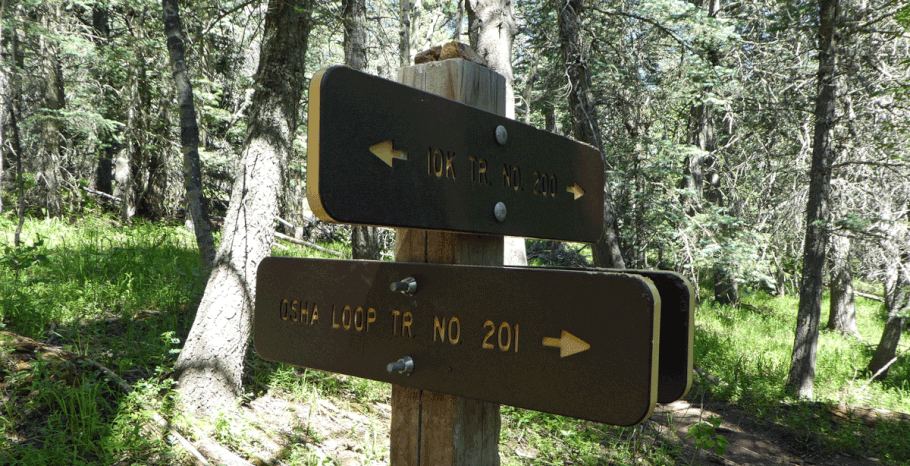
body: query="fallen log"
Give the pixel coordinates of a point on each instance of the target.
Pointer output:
(308, 244)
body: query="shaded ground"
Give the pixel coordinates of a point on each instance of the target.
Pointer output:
(314, 429)
(753, 441)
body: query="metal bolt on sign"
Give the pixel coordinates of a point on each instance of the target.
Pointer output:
(408, 286)
(502, 136)
(402, 366)
(499, 211)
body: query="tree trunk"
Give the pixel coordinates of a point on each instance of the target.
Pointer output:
(52, 142)
(585, 123)
(14, 112)
(896, 300)
(211, 363)
(4, 95)
(897, 297)
(404, 33)
(104, 168)
(189, 135)
(364, 239)
(801, 378)
(491, 30)
(842, 315)
(130, 160)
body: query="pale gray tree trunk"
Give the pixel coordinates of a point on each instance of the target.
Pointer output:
(585, 122)
(801, 377)
(897, 297)
(842, 313)
(364, 239)
(211, 363)
(196, 207)
(491, 30)
(404, 33)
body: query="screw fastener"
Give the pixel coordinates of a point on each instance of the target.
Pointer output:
(502, 136)
(499, 211)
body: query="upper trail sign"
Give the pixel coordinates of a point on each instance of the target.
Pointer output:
(382, 153)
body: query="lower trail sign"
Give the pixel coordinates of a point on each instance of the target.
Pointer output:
(577, 343)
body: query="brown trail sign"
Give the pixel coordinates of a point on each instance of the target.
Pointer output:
(579, 343)
(677, 330)
(382, 153)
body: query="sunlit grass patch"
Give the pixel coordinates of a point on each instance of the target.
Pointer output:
(92, 269)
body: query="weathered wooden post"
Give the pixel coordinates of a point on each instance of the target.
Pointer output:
(431, 428)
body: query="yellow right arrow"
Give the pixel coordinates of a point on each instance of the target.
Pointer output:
(568, 344)
(576, 190)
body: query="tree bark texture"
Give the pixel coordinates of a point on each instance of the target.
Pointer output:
(129, 162)
(404, 33)
(897, 298)
(14, 111)
(585, 126)
(364, 239)
(104, 169)
(491, 30)
(897, 303)
(53, 100)
(211, 363)
(189, 135)
(801, 378)
(4, 96)
(842, 313)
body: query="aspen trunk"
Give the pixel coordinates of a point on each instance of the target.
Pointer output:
(491, 29)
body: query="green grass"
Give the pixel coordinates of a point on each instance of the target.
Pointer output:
(535, 438)
(95, 269)
(748, 348)
(124, 295)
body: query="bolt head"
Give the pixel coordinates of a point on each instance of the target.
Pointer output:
(499, 211)
(502, 136)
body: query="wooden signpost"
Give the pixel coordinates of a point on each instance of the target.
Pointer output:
(434, 157)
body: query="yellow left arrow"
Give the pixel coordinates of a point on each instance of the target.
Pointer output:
(386, 152)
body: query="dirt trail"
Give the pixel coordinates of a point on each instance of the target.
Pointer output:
(753, 441)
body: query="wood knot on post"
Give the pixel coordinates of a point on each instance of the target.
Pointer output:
(451, 50)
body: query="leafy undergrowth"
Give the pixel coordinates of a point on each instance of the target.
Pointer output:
(97, 293)
(744, 352)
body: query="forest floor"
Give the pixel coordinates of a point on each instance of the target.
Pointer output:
(342, 428)
(106, 307)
